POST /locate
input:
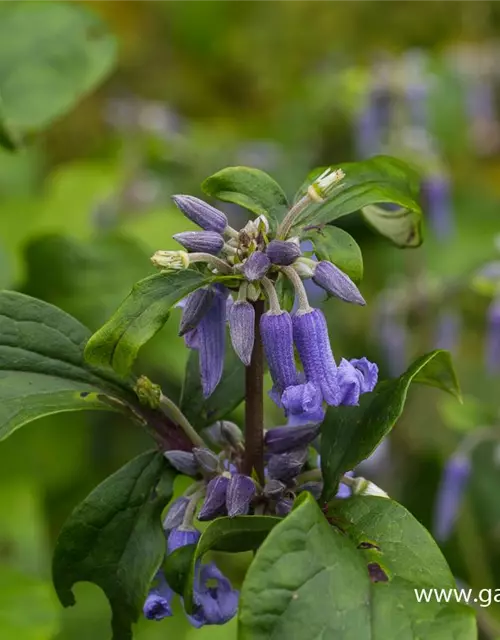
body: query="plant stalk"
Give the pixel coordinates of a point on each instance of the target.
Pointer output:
(254, 404)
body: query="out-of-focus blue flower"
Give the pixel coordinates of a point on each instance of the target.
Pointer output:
(214, 604)
(453, 484)
(448, 328)
(436, 192)
(158, 604)
(493, 338)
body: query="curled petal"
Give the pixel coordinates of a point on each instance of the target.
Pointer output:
(241, 317)
(337, 283)
(201, 213)
(213, 604)
(158, 604)
(302, 404)
(348, 379)
(367, 374)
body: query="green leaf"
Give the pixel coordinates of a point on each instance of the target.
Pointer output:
(59, 53)
(337, 246)
(401, 226)
(351, 434)
(142, 314)
(381, 179)
(42, 370)
(252, 189)
(232, 535)
(115, 539)
(310, 580)
(286, 292)
(228, 394)
(28, 607)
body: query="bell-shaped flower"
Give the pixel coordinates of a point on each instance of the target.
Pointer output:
(175, 514)
(277, 338)
(450, 495)
(158, 604)
(214, 603)
(214, 504)
(211, 339)
(182, 536)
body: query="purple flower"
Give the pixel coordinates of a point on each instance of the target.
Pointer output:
(367, 374)
(175, 514)
(183, 461)
(349, 383)
(283, 507)
(274, 489)
(302, 404)
(314, 488)
(211, 339)
(195, 307)
(344, 491)
(282, 439)
(201, 213)
(215, 500)
(493, 338)
(394, 342)
(240, 491)
(191, 339)
(241, 317)
(206, 459)
(448, 330)
(451, 489)
(436, 191)
(310, 333)
(277, 338)
(286, 466)
(256, 266)
(158, 604)
(181, 537)
(203, 241)
(213, 604)
(283, 252)
(337, 283)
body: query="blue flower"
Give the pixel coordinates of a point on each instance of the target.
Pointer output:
(201, 213)
(336, 283)
(182, 536)
(302, 404)
(450, 493)
(282, 439)
(194, 307)
(283, 252)
(241, 317)
(256, 266)
(213, 604)
(211, 340)
(200, 241)
(227, 495)
(367, 374)
(277, 338)
(158, 604)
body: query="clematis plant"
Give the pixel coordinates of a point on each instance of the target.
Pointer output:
(325, 559)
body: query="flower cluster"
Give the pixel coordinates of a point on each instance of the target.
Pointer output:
(255, 257)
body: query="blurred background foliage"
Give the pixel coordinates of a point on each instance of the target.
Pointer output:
(186, 89)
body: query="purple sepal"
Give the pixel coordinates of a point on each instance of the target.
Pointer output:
(277, 338)
(314, 488)
(310, 333)
(274, 489)
(337, 283)
(348, 379)
(191, 339)
(183, 461)
(241, 317)
(213, 604)
(206, 459)
(493, 338)
(450, 493)
(201, 213)
(283, 252)
(158, 604)
(240, 491)
(256, 266)
(180, 537)
(175, 514)
(215, 499)
(286, 466)
(195, 306)
(282, 439)
(284, 506)
(302, 404)
(200, 241)
(367, 374)
(212, 344)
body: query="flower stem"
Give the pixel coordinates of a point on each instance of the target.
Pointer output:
(295, 279)
(254, 404)
(173, 412)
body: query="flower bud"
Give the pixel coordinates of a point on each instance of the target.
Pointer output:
(182, 536)
(282, 252)
(224, 433)
(337, 283)
(171, 260)
(286, 466)
(202, 241)
(362, 487)
(282, 439)
(183, 461)
(240, 491)
(314, 488)
(215, 499)
(284, 506)
(201, 213)
(241, 317)
(256, 266)
(274, 489)
(175, 514)
(196, 306)
(206, 459)
(253, 291)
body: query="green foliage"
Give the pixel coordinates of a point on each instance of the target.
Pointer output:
(228, 394)
(42, 370)
(340, 248)
(351, 434)
(310, 580)
(114, 538)
(59, 53)
(378, 180)
(250, 188)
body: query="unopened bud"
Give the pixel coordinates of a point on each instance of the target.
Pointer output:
(202, 241)
(363, 487)
(256, 266)
(171, 260)
(240, 491)
(337, 283)
(206, 459)
(201, 213)
(175, 513)
(241, 318)
(282, 252)
(183, 461)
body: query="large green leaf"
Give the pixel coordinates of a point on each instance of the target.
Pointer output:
(51, 55)
(228, 394)
(351, 434)
(42, 370)
(337, 246)
(142, 314)
(252, 189)
(381, 179)
(400, 225)
(114, 539)
(310, 580)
